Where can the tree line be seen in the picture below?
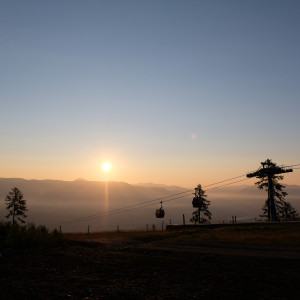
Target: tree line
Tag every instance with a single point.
(15, 236)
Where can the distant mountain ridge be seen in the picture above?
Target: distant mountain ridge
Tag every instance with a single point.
(155, 185)
(53, 202)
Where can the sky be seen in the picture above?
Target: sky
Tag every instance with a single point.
(173, 92)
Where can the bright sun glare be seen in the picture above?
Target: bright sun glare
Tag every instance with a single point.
(106, 166)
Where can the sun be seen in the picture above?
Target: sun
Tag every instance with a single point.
(106, 166)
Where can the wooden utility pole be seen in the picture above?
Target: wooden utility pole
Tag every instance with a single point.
(269, 170)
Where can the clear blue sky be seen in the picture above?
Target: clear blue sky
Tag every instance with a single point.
(175, 92)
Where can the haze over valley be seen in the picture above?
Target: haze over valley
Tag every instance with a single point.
(131, 207)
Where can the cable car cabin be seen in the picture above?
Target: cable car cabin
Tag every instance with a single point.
(160, 213)
(197, 202)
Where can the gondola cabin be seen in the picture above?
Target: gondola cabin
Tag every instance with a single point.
(197, 202)
(160, 213)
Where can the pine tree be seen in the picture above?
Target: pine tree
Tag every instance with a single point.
(16, 205)
(202, 214)
(275, 207)
(287, 212)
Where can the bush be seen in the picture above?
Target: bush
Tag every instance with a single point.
(28, 236)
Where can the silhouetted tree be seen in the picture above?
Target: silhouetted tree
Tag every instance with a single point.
(16, 205)
(275, 207)
(202, 214)
(287, 212)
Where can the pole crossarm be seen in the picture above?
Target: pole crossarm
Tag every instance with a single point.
(264, 172)
(268, 172)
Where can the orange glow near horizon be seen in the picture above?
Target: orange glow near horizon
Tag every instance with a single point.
(132, 172)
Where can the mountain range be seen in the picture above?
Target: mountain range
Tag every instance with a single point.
(75, 205)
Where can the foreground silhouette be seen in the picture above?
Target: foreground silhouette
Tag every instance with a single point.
(275, 208)
(207, 264)
(16, 205)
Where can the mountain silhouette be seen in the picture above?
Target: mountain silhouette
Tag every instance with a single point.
(127, 206)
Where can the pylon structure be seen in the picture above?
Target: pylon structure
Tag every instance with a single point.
(269, 170)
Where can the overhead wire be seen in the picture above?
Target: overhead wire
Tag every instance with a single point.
(227, 184)
(145, 203)
(289, 166)
(296, 166)
(116, 212)
(154, 201)
(224, 180)
(120, 209)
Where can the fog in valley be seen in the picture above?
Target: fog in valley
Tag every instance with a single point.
(111, 205)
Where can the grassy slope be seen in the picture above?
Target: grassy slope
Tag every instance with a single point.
(260, 234)
(118, 268)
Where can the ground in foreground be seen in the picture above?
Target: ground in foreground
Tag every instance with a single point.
(231, 263)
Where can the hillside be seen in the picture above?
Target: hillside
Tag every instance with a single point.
(256, 261)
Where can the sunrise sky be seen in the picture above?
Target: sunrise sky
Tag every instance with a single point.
(173, 92)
